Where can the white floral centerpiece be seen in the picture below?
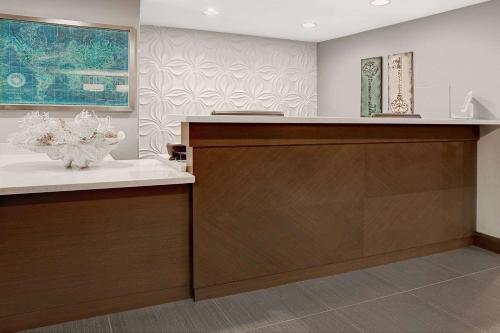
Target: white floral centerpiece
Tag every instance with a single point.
(83, 141)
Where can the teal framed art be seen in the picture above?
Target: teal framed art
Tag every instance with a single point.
(371, 86)
(48, 64)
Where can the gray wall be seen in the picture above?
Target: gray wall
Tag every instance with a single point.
(118, 12)
(460, 49)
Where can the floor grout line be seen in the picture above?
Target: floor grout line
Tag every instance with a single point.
(289, 320)
(399, 292)
(349, 321)
(439, 308)
(370, 300)
(451, 279)
(109, 323)
(489, 253)
(214, 301)
(383, 279)
(296, 284)
(435, 283)
(443, 266)
(308, 293)
(484, 270)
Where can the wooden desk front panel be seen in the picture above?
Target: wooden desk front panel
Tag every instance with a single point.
(418, 194)
(268, 210)
(72, 255)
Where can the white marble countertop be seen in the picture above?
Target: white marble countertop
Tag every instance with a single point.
(330, 120)
(36, 173)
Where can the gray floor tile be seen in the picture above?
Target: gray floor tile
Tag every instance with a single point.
(491, 276)
(92, 325)
(183, 316)
(264, 307)
(466, 260)
(412, 273)
(402, 313)
(328, 322)
(348, 288)
(474, 301)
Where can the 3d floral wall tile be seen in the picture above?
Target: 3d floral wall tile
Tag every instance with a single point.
(195, 72)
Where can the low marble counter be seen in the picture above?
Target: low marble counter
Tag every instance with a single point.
(77, 232)
(36, 173)
(332, 120)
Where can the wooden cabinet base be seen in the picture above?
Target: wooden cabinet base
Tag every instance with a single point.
(326, 270)
(71, 255)
(71, 312)
(280, 203)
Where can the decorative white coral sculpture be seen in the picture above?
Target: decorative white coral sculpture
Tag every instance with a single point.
(83, 141)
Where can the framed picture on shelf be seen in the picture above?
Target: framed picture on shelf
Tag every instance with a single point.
(371, 86)
(400, 68)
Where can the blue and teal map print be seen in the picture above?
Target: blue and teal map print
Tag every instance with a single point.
(53, 64)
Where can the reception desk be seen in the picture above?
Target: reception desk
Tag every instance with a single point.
(278, 200)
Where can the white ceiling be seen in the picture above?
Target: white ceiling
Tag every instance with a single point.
(284, 18)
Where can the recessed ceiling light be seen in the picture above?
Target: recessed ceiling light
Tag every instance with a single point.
(380, 2)
(210, 12)
(309, 25)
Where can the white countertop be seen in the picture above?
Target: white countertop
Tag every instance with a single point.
(36, 173)
(330, 120)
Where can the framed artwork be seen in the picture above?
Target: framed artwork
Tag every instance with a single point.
(57, 64)
(371, 86)
(401, 83)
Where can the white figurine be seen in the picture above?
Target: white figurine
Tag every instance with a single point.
(467, 110)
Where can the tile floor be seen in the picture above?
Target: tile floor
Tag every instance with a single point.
(455, 291)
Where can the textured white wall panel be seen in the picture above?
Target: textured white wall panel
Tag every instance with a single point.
(196, 72)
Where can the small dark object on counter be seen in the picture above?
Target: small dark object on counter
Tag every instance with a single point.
(177, 152)
(180, 156)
